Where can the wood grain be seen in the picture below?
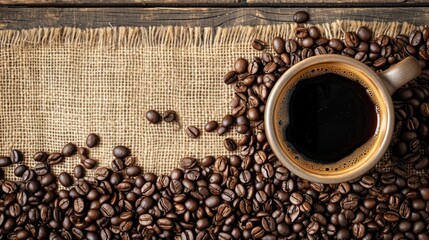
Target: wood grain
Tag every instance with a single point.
(24, 18)
(116, 3)
(337, 2)
(210, 3)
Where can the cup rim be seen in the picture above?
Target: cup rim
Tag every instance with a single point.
(274, 141)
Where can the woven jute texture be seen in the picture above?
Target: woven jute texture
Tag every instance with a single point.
(59, 84)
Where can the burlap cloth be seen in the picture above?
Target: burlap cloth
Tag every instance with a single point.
(59, 84)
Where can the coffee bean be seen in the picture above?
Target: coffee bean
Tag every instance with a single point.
(5, 161)
(336, 44)
(20, 169)
(192, 132)
(391, 216)
(351, 39)
(415, 38)
(153, 116)
(121, 152)
(367, 181)
(69, 150)
(212, 201)
(240, 65)
(92, 140)
(89, 163)
(133, 171)
(364, 34)
(211, 126)
(230, 77)
(107, 210)
(169, 116)
(55, 158)
(40, 157)
(300, 17)
(257, 232)
(258, 45)
(230, 144)
(79, 171)
(187, 162)
(278, 46)
(313, 228)
(296, 198)
(15, 156)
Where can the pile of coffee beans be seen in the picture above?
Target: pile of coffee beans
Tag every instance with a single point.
(245, 196)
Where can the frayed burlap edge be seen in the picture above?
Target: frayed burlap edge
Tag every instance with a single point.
(184, 36)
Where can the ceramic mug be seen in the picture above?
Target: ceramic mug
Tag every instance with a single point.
(380, 85)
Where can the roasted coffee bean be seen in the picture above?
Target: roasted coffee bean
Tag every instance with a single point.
(211, 126)
(92, 140)
(257, 232)
(314, 32)
(336, 44)
(15, 156)
(240, 65)
(391, 216)
(301, 32)
(107, 210)
(258, 45)
(169, 116)
(230, 144)
(351, 39)
(364, 34)
(55, 158)
(187, 162)
(230, 77)
(121, 152)
(79, 171)
(40, 157)
(278, 46)
(192, 132)
(212, 201)
(300, 17)
(415, 38)
(5, 161)
(20, 169)
(69, 150)
(89, 163)
(133, 171)
(153, 116)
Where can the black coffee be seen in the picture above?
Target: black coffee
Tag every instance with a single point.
(330, 117)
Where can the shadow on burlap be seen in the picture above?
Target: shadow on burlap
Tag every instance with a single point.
(59, 84)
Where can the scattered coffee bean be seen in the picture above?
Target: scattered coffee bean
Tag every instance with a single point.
(65, 179)
(230, 144)
(169, 116)
(258, 45)
(69, 150)
(153, 116)
(15, 156)
(121, 152)
(5, 161)
(92, 140)
(300, 17)
(192, 132)
(211, 126)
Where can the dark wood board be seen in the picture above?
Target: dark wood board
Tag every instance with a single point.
(208, 3)
(24, 18)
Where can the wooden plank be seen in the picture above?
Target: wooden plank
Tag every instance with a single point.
(24, 18)
(225, 3)
(116, 3)
(336, 2)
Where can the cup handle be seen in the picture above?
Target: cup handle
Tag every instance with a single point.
(401, 73)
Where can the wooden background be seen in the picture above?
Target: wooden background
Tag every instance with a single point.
(24, 14)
